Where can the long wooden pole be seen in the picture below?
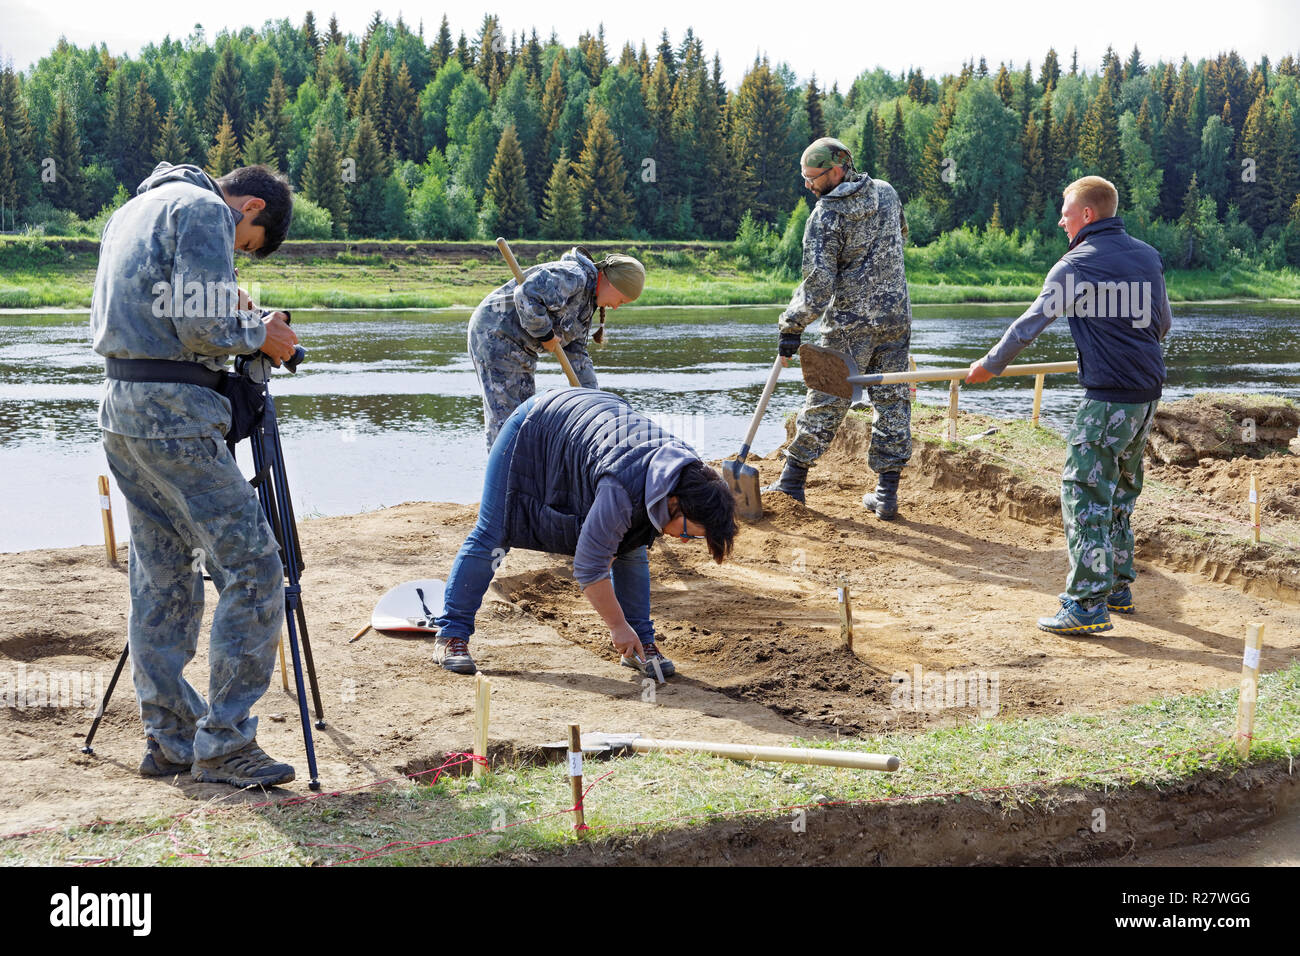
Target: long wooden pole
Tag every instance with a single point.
(575, 774)
(1249, 692)
(820, 758)
(106, 512)
(519, 277)
(957, 374)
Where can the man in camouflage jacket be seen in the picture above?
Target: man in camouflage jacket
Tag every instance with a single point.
(167, 315)
(853, 280)
(552, 309)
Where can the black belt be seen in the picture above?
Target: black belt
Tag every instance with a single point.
(163, 370)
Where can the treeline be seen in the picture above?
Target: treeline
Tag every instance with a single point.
(395, 134)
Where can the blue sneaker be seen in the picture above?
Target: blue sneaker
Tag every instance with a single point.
(1074, 618)
(1121, 601)
(158, 764)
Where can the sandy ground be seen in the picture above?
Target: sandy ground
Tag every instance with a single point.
(952, 585)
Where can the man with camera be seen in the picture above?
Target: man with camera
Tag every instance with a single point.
(167, 315)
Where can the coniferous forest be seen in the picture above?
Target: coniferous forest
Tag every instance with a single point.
(407, 132)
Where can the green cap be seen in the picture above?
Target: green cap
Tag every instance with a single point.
(624, 273)
(825, 153)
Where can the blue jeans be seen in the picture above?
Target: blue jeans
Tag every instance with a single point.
(481, 554)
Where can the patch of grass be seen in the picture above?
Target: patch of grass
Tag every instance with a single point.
(518, 815)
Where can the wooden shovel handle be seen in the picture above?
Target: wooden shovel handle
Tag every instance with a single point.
(519, 277)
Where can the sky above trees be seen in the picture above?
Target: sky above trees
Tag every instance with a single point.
(936, 36)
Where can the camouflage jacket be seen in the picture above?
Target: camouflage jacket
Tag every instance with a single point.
(557, 297)
(853, 261)
(165, 289)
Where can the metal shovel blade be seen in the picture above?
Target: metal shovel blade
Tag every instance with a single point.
(828, 370)
(742, 479)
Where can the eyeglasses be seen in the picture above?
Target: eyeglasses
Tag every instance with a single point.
(688, 537)
(813, 179)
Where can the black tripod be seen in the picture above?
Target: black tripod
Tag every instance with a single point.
(272, 486)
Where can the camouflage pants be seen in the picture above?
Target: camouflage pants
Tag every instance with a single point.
(1099, 487)
(891, 427)
(506, 373)
(189, 508)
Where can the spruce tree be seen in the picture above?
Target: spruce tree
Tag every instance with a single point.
(1050, 73)
(812, 103)
(8, 179)
(170, 147)
(226, 95)
(899, 165)
(366, 194)
(768, 179)
(259, 150)
(562, 207)
(321, 177)
(507, 185)
(442, 47)
(1099, 138)
(602, 181)
(224, 154)
(310, 38)
(67, 190)
(1257, 166)
(1002, 85)
(403, 117)
(144, 121)
(278, 121)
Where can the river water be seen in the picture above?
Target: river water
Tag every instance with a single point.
(386, 409)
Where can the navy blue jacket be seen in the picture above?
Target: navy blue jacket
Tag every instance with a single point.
(570, 440)
(1112, 289)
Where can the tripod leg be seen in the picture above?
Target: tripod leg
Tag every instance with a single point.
(291, 618)
(311, 667)
(103, 704)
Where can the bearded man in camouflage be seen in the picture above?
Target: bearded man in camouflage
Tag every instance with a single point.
(853, 280)
(550, 310)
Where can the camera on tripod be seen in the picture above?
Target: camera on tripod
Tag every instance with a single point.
(256, 366)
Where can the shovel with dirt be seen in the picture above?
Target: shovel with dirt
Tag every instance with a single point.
(741, 478)
(835, 373)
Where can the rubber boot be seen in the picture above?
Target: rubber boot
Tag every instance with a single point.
(884, 502)
(791, 483)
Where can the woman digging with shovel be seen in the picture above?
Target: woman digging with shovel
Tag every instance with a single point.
(550, 309)
(577, 471)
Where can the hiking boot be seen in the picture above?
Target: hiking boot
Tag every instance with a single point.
(247, 767)
(884, 502)
(453, 654)
(651, 654)
(1121, 601)
(1074, 618)
(792, 478)
(156, 763)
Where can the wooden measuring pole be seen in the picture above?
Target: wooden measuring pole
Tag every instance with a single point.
(575, 774)
(1038, 396)
(911, 367)
(482, 715)
(846, 613)
(106, 512)
(284, 674)
(1249, 688)
(953, 389)
(1254, 505)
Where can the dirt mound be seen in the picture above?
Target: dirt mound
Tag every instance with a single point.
(1228, 482)
(1222, 426)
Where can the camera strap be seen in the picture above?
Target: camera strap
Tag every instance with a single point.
(163, 370)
